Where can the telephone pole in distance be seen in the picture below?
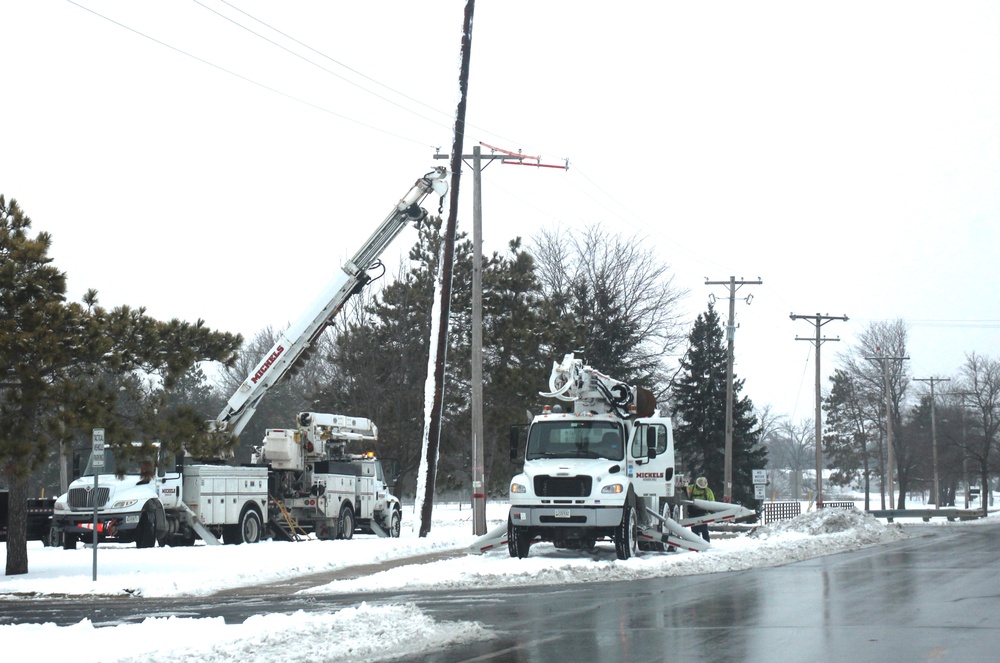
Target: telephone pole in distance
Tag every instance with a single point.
(734, 285)
(818, 320)
(937, 490)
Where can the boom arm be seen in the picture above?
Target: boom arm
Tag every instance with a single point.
(589, 390)
(349, 281)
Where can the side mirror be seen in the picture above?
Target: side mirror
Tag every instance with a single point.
(651, 443)
(515, 434)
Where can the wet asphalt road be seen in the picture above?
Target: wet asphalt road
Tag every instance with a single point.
(934, 597)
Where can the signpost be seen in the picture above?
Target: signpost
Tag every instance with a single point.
(759, 484)
(97, 464)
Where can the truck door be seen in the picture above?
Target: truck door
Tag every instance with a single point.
(381, 489)
(653, 453)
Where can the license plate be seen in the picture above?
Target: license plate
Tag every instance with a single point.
(562, 513)
(131, 519)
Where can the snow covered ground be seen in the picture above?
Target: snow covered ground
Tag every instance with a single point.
(368, 632)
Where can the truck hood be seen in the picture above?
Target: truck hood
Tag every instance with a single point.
(599, 468)
(119, 490)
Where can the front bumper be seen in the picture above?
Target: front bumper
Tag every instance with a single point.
(109, 525)
(566, 516)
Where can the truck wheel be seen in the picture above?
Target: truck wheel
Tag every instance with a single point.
(518, 540)
(394, 524)
(69, 541)
(250, 527)
(345, 524)
(626, 534)
(146, 533)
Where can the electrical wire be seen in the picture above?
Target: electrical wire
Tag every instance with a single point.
(247, 79)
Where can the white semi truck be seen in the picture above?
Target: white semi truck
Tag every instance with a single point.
(158, 504)
(602, 470)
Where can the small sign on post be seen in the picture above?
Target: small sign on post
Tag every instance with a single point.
(759, 491)
(97, 464)
(759, 476)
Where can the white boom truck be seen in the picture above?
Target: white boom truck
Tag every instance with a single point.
(320, 486)
(603, 471)
(173, 506)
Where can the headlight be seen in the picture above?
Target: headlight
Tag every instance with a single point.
(60, 506)
(124, 504)
(518, 488)
(614, 488)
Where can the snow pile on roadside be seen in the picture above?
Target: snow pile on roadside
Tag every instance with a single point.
(361, 633)
(830, 521)
(810, 535)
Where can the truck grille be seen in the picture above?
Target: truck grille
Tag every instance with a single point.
(83, 498)
(546, 486)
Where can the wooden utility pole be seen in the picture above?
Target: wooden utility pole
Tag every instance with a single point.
(819, 321)
(427, 474)
(734, 285)
(478, 463)
(934, 456)
(965, 447)
(884, 361)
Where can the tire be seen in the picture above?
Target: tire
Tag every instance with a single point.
(395, 523)
(518, 540)
(626, 539)
(345, 524)
(251, 529)
(248, 530)
(145, 536)
(69, 541)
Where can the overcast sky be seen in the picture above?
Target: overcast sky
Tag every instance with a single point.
(219, 160)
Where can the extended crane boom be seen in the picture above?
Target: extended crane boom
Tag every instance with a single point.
(349, 281)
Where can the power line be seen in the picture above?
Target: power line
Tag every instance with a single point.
(245, 78)
(319, 66)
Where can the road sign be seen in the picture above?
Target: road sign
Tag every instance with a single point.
(759, 476)
(760, 491)
(97, 457)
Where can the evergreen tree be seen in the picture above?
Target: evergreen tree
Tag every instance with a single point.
(700, 414)
(851, 443)
(66, 368)
(378, 362)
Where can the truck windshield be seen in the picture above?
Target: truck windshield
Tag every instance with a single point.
(575, 439)
(121, 467)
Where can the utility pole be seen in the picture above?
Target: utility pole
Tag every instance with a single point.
(478, 463)
(734, 285)
(965, 454)
(434, 388)
(818, 320)
(884, 361)
(934, 456)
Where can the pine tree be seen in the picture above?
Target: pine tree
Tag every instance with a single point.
(66, 368)
(700, 414)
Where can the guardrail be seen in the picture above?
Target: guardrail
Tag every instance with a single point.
(926, 514)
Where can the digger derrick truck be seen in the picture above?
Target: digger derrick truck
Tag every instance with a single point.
(182, 500)
(320, 484)
(604, 470)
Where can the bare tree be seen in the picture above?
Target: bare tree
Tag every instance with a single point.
(791, 447)
(615, 298)
(883, 339)
(981, 379)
